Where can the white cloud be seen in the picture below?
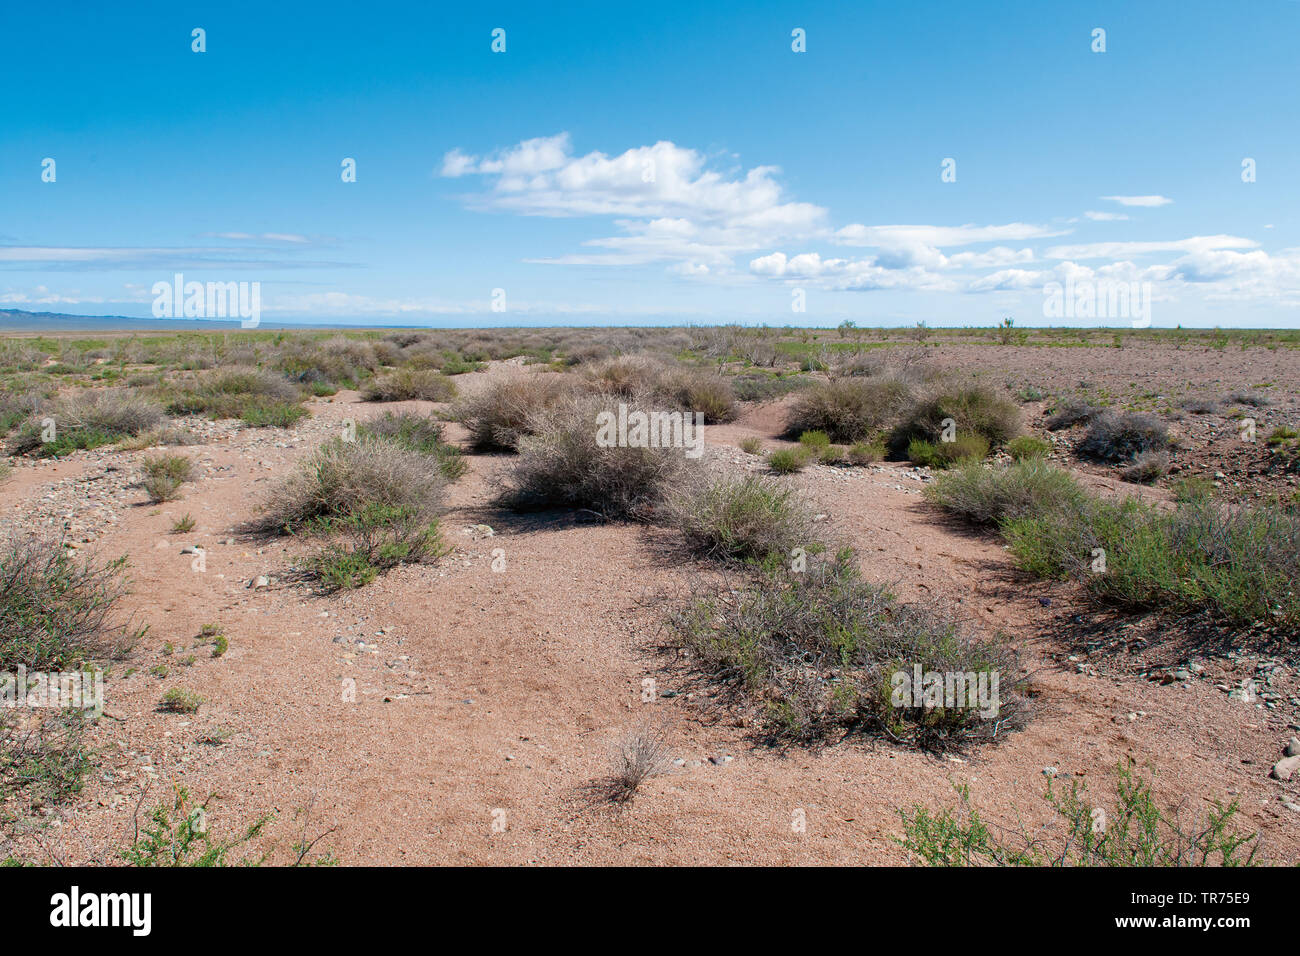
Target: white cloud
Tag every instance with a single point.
(262, 236)
(887, 236)
(668, 203)
(1117, 250)
(1139, 200)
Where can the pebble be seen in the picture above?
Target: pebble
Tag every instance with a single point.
(1285, 768)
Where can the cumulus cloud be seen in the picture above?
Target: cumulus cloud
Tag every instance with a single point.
(665, 203)
(666, 200)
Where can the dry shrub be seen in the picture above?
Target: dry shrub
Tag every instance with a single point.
(818, 650)
(976, 411)
(499, 413)
(87, 420)
(1071, 413)
(561, 465)
(1123, 436)
(1147, 467)
(849, 410)
(56, 611)
(407, 384)
(740, 516)
(642, 752)
(342, 477)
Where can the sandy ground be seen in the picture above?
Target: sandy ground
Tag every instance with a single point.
(487, 702)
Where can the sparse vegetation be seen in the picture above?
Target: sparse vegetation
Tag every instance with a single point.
(408, 384)
(816, 650)
(1122, 436)
(562, 465)
(57, 612)
(850, 409)
(84, 421)
(641, 753)
(991, 495)
(1133, 831)
(177, 834)
(741, 517)
(179, 700)
(164, 475)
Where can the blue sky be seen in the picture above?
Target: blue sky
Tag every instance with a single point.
(633, 164)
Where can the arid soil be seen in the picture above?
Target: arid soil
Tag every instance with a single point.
(487, 701)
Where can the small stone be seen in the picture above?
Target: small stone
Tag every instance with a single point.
(1292, 748)
(1285, 768)
(261, 581)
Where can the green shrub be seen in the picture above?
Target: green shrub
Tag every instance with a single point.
(864, 453)
(751, 446)
(85, 421)
(976, 411)
(965, 448)
(420, 433)
(785, 461)
(1192, 488)
(56, 612)
(819, 649)
(1027, 447)
(1239, 564)
(1132, 831)
(814, 441)
(379, 537)
(164, 474)
(407, 384)
(849, 410)
(273, 415)
(740, 517)
(991, 495)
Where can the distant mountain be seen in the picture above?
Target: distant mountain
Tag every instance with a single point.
(16, 320)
